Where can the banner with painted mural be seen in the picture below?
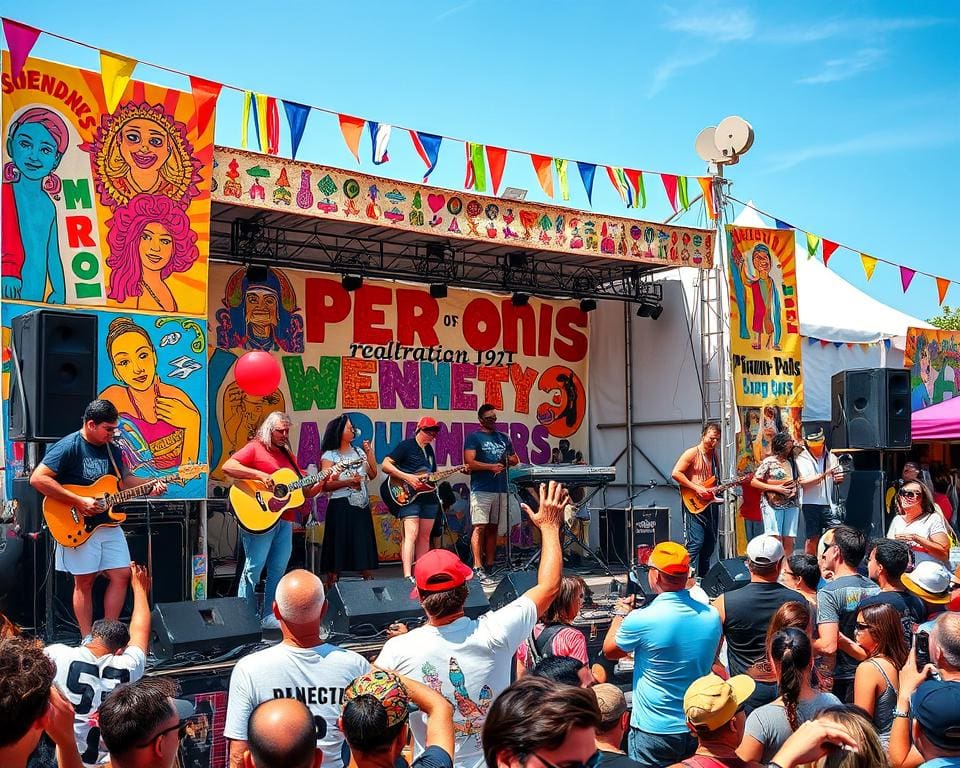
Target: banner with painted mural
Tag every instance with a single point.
(153, 368)
(933, 358)
(765, 339)
(103, 207)
(388, 354)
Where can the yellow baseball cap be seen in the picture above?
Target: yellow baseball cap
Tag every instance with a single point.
(711, 701)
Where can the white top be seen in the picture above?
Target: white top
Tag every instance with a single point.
(316, 676)
(924, 526)
(808, 466)
(469, 661)
(358, 496)
(86, 680)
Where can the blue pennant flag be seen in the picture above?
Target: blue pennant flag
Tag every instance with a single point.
(297, 115)
(587, 171)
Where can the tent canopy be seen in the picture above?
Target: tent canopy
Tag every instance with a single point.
(938, 422)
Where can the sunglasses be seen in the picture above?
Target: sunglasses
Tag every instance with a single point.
(431, 430)
(862, 627)
(180, 728)
(592, 762)
(907, 494)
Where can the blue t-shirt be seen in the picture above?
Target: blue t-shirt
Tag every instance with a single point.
(491, 448)
(74, 461)
(408, 456)
(674, 641)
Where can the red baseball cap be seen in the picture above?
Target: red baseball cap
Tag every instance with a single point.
(427, 423)
(440, 570)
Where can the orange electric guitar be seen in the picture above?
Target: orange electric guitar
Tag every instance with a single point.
(695, 505)
(71, 529)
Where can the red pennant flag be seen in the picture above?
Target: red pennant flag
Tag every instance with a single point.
(20, 40)
(670, 185)
(352, 128)
(906, 275)
(496, 160)
(942, 285)
(543, 165)
(828, 248)
(205, 95)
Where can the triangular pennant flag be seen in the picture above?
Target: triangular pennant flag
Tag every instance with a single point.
(635, 180)
(205, 95)
(869, 264)
(245, 119)
(496, 160)
(115, 73)
(587, 172)
(906, 277)
(427, 146)
(823, 342)
(297, 115)
(543, 166)
(813, 242)
(352, 129)
(838, 344)
(273, 125)
(683, 196)
(706, 184)
(619, 182)
(20, 40)
(886, 343)
(260, 120)
(561, 166)
(379, 139)
(476, 169)
(781, 224)
(942, 286)
(828, 248)
(670, 186)
(811, 340)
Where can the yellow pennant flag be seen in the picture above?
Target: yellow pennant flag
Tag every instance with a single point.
(561, 166)
(115, 73)
(812, 243)
(244, 126)
(869, 264)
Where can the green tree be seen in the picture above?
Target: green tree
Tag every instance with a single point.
(947, 320)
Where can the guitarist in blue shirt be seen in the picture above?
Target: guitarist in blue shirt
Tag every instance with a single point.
(410, 461)
(82, 458)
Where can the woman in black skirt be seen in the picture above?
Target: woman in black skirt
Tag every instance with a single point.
(349, 543)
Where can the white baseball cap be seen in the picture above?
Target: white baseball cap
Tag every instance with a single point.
(765, 550)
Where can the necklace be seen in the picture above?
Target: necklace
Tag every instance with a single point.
(150, 291)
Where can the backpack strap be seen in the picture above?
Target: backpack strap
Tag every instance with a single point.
(544, 642)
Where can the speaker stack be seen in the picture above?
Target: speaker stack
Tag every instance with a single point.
(870, 409)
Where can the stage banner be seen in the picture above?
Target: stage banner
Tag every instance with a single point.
(765, 338)
(278, 184)
(99, 208)
(154, 370)
(388, 354)
(933, 358)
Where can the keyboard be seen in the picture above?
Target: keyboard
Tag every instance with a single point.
(571, 475)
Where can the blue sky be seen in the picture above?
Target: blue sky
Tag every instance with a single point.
(856, 105)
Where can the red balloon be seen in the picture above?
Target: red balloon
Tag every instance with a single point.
(257, 373)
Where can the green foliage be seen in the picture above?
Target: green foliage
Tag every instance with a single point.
(947, 320)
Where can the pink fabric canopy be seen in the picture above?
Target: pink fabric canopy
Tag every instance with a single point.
(938, 422)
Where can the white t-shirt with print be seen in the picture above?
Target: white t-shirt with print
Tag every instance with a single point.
(469, 661)
(86, 679)
(316, 676)
(809, 466)
(924, 526)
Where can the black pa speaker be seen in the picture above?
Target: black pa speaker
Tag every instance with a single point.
(208, 627)
(54, 373)
(863, 492)
(725, 576)
(870, 408)
(28, 510)
(365, 608)
(513, 585)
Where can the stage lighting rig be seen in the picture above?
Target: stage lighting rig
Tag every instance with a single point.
(351, 282)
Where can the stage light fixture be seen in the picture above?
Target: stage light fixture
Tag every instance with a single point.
(646, 309)
(257, 273)
(435, 251)
(517, 259)
(351, 282)
(520, 299)
(588, 305)
(438, 290)
(656, 311)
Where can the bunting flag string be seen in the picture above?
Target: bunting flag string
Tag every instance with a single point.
(587, 172)
(20, 40)
(813, 242)
(619, 182)
(683, 196)
(635, 180)
(706, 184)
(245, 119)
(828, 248)
(297, 115)
(267, 123)
(942, 286)
(427, 146)
(906, 277)
(379, 139)
(561, 166)
(543, 166)
(476, 177)
(352, 129)
(115, 73)
(670, 187)
(496, 161)
(869, 264)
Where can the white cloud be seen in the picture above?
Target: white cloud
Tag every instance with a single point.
(825, 29)
(868, 144)
(714, 22)
(666, 70)
(843, 69)
(453, 9)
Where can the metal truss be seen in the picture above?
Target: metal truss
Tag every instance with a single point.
(439, 262)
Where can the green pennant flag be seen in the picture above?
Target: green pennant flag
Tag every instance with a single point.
(682, 196)
(479, 168)
(561, 166)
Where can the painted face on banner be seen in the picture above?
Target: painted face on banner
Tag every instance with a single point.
(156, 247)
(134, 361)
(33, 150)
(145, 145)
(262, 307)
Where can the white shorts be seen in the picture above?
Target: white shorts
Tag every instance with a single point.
(487, 507)
(104, 550)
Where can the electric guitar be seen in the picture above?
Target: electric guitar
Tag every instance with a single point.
(257, 509)
(397, 493)
(695, 505)
(71, 529)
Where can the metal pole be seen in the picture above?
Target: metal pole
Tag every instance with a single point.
(628, 385)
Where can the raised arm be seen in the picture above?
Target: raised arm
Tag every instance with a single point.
(548, 518)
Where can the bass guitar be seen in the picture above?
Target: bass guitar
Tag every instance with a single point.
(71, 529)
(397, 493)
(695, 505)
(257, 509)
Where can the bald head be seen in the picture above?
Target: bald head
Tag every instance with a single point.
(281, 734)
(945, 641)
(300, 598)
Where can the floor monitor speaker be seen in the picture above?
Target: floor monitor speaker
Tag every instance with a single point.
(725, 576)
(208, 627)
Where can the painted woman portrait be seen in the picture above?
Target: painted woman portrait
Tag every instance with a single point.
(260, 313)
(140, 149)
(150, 239)
(36, 141)
(160, 417)
(766, 307)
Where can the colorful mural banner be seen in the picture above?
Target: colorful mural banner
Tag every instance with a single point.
(103, 208)
(154, 369)
(933, 358)
(388, 354)
(765, 341)
(275, 184)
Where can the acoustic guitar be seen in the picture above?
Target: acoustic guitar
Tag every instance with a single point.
(257, 509)
(71, 529)
(695, 505)
(397, 493)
